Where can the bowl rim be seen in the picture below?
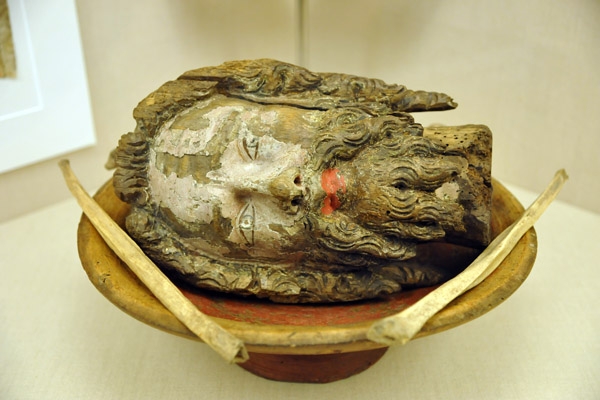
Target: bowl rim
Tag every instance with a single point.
(118, 284)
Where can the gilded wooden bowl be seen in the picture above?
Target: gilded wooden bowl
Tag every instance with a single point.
(305, 342)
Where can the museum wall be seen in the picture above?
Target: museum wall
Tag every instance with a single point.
(528, 70)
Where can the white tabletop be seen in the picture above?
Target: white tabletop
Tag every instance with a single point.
(61, 339)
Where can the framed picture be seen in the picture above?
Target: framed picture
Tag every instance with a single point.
(44, 100)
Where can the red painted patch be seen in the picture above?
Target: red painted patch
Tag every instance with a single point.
(257, 311)
(332, 181)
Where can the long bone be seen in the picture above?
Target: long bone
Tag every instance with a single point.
(228, 346)
(403, 326)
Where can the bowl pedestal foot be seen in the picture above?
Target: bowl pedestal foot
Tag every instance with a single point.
(319, 368)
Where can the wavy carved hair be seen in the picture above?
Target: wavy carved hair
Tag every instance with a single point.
(363, 111)
(271, 82)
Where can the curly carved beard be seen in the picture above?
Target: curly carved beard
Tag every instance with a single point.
(400, 188)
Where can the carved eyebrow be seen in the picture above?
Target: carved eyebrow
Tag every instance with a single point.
(245, 223)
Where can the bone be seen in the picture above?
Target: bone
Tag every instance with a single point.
(228, 346)
(403, 326)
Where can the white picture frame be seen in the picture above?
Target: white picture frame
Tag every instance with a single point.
(45, 111)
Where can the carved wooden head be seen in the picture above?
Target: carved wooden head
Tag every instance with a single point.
(262, 177)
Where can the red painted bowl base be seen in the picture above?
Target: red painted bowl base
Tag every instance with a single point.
(320, 368)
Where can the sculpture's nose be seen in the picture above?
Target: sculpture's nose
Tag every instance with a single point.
(288, 188)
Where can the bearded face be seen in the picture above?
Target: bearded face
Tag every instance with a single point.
(398, 187)
(293, 191)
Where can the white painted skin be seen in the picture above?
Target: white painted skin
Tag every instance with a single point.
(179, 142)
(448, 191)
(252, 174)
(187, 200)
(240, 188)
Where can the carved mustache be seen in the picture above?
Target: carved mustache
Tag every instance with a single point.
(398, 205)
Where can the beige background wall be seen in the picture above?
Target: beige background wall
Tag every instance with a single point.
(530, 70)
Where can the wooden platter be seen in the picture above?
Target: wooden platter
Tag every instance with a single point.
(303, 343)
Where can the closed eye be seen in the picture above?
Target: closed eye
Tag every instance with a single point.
(250, 147)
(245, 223)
